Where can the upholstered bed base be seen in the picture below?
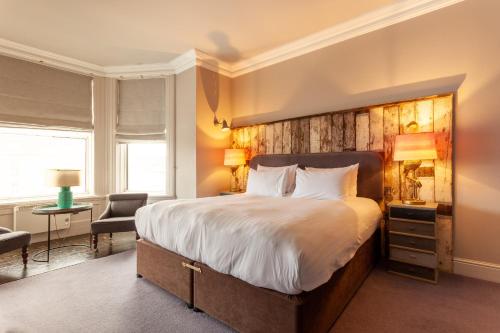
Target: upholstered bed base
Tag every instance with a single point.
(247, 308)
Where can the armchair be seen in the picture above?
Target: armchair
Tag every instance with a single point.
(119, 215)
(11, 240)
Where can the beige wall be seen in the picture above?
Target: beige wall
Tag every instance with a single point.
(455, 48)
(185, 134)
(213, 94)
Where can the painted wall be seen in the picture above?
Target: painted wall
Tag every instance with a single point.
(185, 134)
(455, 48)
(213, 94)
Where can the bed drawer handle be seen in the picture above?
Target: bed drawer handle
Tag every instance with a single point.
(194, 268)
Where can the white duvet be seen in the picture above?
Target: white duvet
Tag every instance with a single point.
(286, 244)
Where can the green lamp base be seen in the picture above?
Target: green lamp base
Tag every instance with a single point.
(65, 198)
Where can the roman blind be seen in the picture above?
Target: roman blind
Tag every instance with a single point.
(141, 109)
(34, 94)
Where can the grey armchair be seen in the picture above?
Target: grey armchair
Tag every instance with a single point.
(119, 215)
(12, 240)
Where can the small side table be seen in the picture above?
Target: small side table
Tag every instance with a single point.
(412, 241)
(54, 210)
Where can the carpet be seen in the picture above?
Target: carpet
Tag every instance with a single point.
(104, 295)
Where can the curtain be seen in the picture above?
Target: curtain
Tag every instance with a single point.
(34, 94)
(141, 109)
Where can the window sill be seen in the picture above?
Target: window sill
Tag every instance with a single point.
(5, 204)
(158, 197)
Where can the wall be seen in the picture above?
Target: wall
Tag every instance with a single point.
(453, 49)
(213, 94)
(185, 134)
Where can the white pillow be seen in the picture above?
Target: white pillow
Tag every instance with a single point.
(322, 185)
(289, 178)
(353, 176)
(266, 183)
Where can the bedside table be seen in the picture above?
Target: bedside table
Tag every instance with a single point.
(412, 241)
(230, 193)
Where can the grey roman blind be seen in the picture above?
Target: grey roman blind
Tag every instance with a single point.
(141, 109)
(34, 94)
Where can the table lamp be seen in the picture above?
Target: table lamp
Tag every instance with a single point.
(412, 149)
(64, 179)
(234, 158)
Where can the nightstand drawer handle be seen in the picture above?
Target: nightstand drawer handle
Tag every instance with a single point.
(413, 243)
(413, 256)
(412, 228)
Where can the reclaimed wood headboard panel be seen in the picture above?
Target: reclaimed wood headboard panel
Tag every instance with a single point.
(364, 129)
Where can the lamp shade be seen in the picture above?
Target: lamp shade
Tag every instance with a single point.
(234, 157)
(417, 146)
(63, 177)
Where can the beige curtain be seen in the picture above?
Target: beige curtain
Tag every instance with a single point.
(141, 109)
(34, 94)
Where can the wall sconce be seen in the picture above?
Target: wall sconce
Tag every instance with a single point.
(223, 124)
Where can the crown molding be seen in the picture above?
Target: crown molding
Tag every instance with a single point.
(389, 15)
(375, 20)
(32, 54)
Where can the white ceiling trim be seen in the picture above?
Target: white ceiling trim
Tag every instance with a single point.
(361, 25)
(20, 51)
(375, 20)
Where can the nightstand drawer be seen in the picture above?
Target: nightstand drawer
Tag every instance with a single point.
(412, 270)
(413, 257)
(413, 214)
(412, 242)
(406, 227)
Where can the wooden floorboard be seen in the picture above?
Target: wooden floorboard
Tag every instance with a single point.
(11, 267)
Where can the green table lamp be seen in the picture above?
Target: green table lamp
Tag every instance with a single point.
(64, 179)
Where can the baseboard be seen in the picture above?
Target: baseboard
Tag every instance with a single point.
(78, 227)
(477, 269)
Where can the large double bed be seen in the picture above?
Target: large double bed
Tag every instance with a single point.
(267, 264)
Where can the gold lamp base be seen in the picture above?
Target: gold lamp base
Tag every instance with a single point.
(413, 202)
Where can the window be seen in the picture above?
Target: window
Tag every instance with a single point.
(27, 153)
(143, 167)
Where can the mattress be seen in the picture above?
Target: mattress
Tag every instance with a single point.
(286, 244)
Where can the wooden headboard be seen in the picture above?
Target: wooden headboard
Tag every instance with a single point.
(370, 174)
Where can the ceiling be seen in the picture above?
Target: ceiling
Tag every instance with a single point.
(133, 32)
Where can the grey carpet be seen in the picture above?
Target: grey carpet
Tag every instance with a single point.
(104, 295)
(101, 295)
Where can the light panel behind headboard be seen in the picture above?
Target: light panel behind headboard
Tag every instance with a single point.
(364, 129)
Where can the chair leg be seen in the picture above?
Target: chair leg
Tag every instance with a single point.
(110, 235)
(24, 254)
(94, 239)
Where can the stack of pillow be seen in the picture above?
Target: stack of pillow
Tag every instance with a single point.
(314, 183)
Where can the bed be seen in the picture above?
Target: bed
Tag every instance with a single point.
(308, 297)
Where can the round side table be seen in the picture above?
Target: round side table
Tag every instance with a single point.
(53, 210)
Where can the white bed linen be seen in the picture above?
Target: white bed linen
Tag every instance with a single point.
(285, 244)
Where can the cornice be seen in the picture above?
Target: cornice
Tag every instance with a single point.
(375, 20)
(372, 21)
(32, 54)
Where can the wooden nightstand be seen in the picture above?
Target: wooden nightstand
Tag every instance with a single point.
(230, 193)
(412, 241)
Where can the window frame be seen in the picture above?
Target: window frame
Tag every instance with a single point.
(122, 167)
(87, 136)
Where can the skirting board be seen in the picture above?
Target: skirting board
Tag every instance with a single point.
(477, 269)
(78, 227)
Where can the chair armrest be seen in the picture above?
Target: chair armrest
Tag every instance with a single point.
(4, 230)
(107, 212)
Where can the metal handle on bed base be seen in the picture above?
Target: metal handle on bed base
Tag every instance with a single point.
(194, 268)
